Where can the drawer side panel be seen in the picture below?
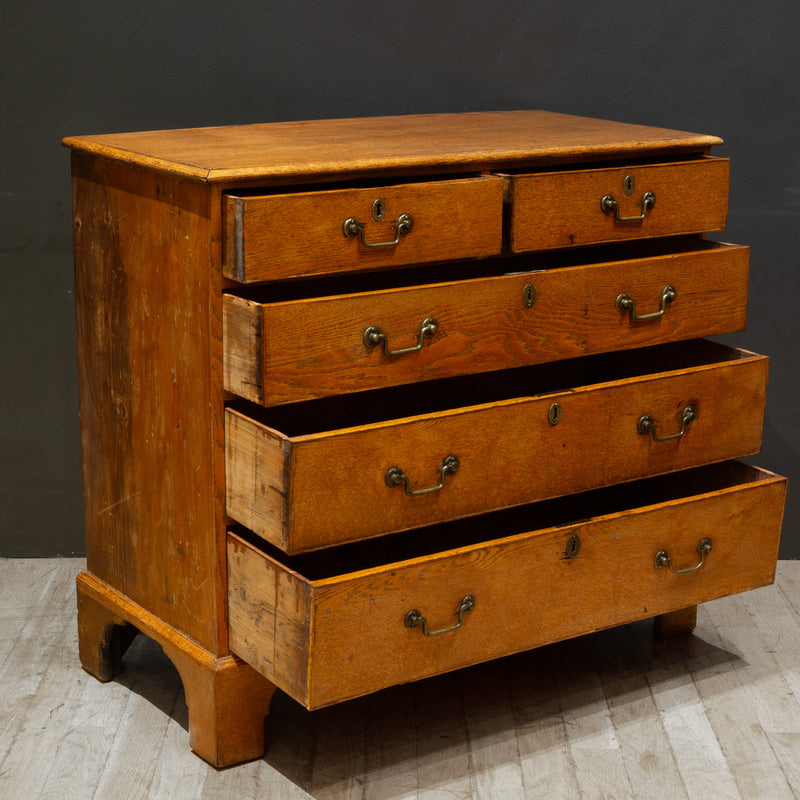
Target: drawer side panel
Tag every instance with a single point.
(257, 477)
(269, 618)
(243, 342)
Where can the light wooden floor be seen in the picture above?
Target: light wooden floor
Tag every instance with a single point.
(613, 715)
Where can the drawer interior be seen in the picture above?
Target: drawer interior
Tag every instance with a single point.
(560, 512)
(612, 163)
(330, 627)
(431, 274)
(381, 405)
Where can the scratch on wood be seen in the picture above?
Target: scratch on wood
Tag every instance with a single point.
(125, 499)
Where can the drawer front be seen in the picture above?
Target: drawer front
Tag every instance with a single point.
(506, 453)
(562, 209)
(328, 640)
(314, 233)
(285, 352)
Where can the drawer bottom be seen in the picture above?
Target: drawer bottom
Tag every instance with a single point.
(333, 625)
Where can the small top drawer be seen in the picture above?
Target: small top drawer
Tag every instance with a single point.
(299, 234)
(589, 206)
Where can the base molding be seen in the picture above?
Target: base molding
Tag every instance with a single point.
(227, 699)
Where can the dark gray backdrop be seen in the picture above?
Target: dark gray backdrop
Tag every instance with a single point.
(726, 67)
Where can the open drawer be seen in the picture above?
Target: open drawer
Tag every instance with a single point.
(312, 475)
(330, 626)
(608, 204)
(288, 344)
(298, 234)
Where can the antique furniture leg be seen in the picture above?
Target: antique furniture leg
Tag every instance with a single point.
(227, 699)
(103, 636)
(675, 623)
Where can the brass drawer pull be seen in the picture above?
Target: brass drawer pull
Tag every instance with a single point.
(352, 227)
(663, 559)
(626, 303)
(414, 618)
(646, 425)
(609, 204)
(395, 476)
(373, 336)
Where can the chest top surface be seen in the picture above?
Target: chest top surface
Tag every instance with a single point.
(279, 151)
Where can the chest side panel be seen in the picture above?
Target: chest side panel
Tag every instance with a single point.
(150, 399)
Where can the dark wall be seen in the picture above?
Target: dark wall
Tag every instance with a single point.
(726, 67)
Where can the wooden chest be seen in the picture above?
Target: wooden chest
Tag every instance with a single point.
(364, 401)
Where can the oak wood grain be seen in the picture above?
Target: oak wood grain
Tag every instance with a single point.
(612, 581)
(227, 699)
(301, 234)
(164, 220)
(561, 209)
(282, 623)
(502, 447)
(314, 346)
(150, 377)
(281, 151)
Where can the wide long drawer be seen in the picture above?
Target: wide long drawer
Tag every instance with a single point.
(273, 237)
(298, 349)
(327, 627)
(307, 476)
(586, 206)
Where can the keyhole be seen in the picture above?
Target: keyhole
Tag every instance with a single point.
(628, 185)
(573, 546)
(378, 210)
(554, 414)
(529, 295)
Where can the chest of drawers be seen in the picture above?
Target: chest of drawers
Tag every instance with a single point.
(364, 401)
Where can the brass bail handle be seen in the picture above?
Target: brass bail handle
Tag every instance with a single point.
(662, 558)
(414, 618)
(625, 302)
(402, 225)
(609, 204)
(373, 336)
(395, 476)
(646, 424)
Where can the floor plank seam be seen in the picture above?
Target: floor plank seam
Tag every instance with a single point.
(573, 718)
